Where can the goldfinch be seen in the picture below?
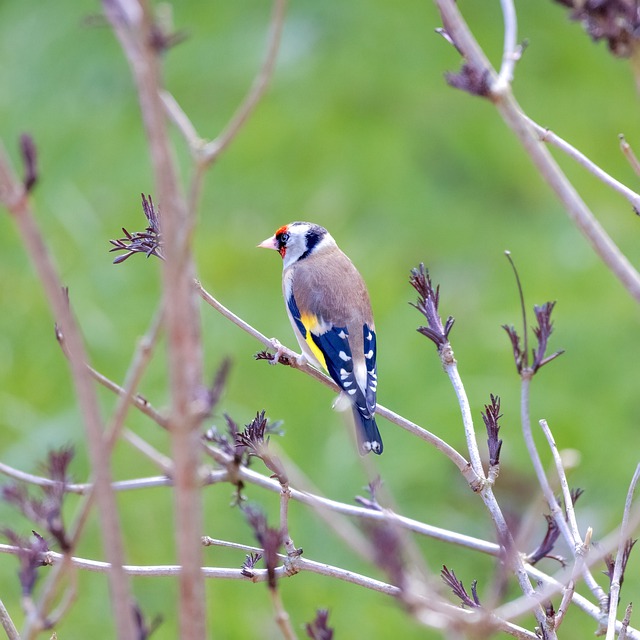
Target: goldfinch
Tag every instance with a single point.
(329, 309)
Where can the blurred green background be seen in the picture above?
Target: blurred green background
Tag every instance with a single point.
(360, 133)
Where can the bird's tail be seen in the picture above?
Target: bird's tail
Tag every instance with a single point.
(368, 434)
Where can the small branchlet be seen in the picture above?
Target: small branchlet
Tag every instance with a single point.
(269, 539)
(31, 553)
(616, 21)
(610, 561)
(427, 305)
(145, 629)
(445, 34)
(148, 241)
(451, 580)
(472, 79)
(372, 501)
(318, 629)
(519, 353)
(545, 548)
(626, 621)
(542, 331)
(491, 416)
(249, 564)
(30, 161)
(46, 511)
(253, 441)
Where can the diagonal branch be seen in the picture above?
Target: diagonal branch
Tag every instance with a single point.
(13, 196)
(213, 149)
(502, 97)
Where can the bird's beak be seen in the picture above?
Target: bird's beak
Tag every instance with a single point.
(269, 243)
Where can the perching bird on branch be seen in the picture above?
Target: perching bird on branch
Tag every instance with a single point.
(329, 309)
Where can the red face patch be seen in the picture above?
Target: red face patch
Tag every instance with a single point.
(282, 236)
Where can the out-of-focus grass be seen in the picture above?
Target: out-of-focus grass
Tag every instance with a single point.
(358, 132)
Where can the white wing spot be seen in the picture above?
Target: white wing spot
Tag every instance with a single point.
(369, 354)
(370, 336)
(344, 356)
(351, 391)
(342, 335)
(346, 383)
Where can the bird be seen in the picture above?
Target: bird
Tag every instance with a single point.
(329, 309)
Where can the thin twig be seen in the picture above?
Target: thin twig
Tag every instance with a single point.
(546, 135)
(467, 420)
(625, 622)
(570, 511)
(510, 50)
(83, 487)
(7, 623)
(140, 403)
(631, 157)
(161, 461)
(181, 120)
(213, 149)
(616, 578)
(567, 597)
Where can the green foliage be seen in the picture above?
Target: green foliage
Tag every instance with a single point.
(360, 133)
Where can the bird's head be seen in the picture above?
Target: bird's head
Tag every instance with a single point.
(297, 240)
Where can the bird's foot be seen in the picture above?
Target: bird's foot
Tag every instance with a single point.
(282, 355)
(279, 351)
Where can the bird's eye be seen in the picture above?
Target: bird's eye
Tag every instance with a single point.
(284, 238)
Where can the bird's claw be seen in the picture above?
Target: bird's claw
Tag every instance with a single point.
(279, 350)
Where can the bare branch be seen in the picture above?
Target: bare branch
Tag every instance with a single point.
(546, 135)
